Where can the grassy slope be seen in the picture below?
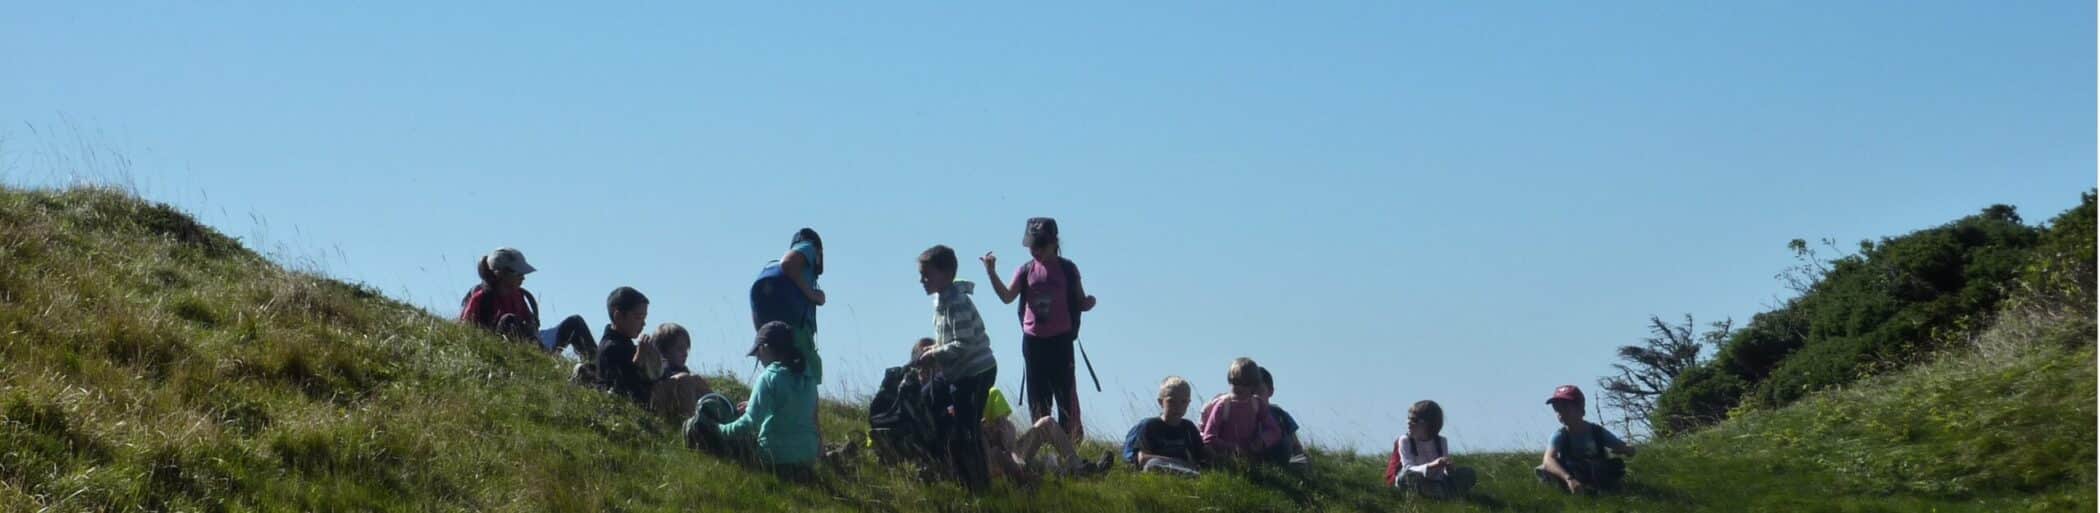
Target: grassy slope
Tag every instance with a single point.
(147, 363)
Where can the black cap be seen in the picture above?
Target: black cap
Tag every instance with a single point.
(775, 333)
(1040, 230)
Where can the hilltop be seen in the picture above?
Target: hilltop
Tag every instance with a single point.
(148, 362)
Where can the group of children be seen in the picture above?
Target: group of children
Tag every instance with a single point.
(942, 408)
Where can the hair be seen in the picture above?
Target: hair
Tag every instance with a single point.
(1268, 381)
(488, 274)
(939, 257)
(624, 299)
(1429, 414)
(1050, 239)
(670, 334)
(922, 344)
(777, 337)
(810, 235)
(1172, 384)
(1243, 372)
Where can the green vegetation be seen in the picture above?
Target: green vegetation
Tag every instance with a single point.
(150, 363)
(1895, 304)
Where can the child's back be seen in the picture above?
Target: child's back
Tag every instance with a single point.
(1239, 423)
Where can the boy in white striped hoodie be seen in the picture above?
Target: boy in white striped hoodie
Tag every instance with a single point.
(964, 353)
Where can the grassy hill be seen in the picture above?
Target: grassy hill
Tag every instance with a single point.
(150, 363)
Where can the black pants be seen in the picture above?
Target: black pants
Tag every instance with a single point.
(966, 440)
(1052, 377)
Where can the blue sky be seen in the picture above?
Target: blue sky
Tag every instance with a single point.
(1382, 202)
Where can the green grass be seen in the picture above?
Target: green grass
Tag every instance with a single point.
(150, 363)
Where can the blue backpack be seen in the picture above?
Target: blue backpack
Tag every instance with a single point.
(774, 297)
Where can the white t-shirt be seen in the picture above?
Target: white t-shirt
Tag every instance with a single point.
(1415, 456)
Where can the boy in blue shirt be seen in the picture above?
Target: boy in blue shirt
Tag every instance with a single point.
(1579, 458)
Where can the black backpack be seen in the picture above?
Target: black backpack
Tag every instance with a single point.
(900, 415)
(1072, 297)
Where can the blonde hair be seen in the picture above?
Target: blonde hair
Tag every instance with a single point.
(1173, 384)
(1243, 373)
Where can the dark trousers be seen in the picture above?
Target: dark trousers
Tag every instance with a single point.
(966, 436)
(1600, 474)
(1052, 377)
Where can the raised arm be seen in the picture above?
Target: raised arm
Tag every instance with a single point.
(991, 271)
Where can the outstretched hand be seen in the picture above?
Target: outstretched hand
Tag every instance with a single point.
(991, 261)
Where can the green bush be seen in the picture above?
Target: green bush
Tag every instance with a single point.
(1892, 305)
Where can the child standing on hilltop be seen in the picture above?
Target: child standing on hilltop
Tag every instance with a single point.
(1239, 424)
(1579, 458)
(1421, 460)
(1052, 299)
(963, 352)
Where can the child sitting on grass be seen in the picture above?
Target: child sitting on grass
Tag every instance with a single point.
(1579, 459)
(777, 427)
(1292, 451)
(500, 303)
(1421, 461)
(616, 370)
(673, 388)
(1169, 443)
(1239, 424)
(1013, 454)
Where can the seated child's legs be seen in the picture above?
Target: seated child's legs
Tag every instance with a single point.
(1460, 480)
(1548, 479)
(1170, 466)
(576, 333)
(1047, 431)
(1609, 472)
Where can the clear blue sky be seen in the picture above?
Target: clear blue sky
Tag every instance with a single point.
(1382, 202)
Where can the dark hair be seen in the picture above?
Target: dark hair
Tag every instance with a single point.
(488, 274)
(624, 299)
(780, 339)
(1429, 414)
(916, 346)
(940, 257)
(1267, 380)
(810, 235)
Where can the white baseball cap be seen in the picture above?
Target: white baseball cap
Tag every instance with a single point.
(509, 260)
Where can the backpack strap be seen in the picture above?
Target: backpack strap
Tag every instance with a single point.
(1072, 296)
(532, 304)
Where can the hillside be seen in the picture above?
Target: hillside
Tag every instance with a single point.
(150, 363)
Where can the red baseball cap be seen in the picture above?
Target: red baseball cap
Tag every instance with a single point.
(1565, 393)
